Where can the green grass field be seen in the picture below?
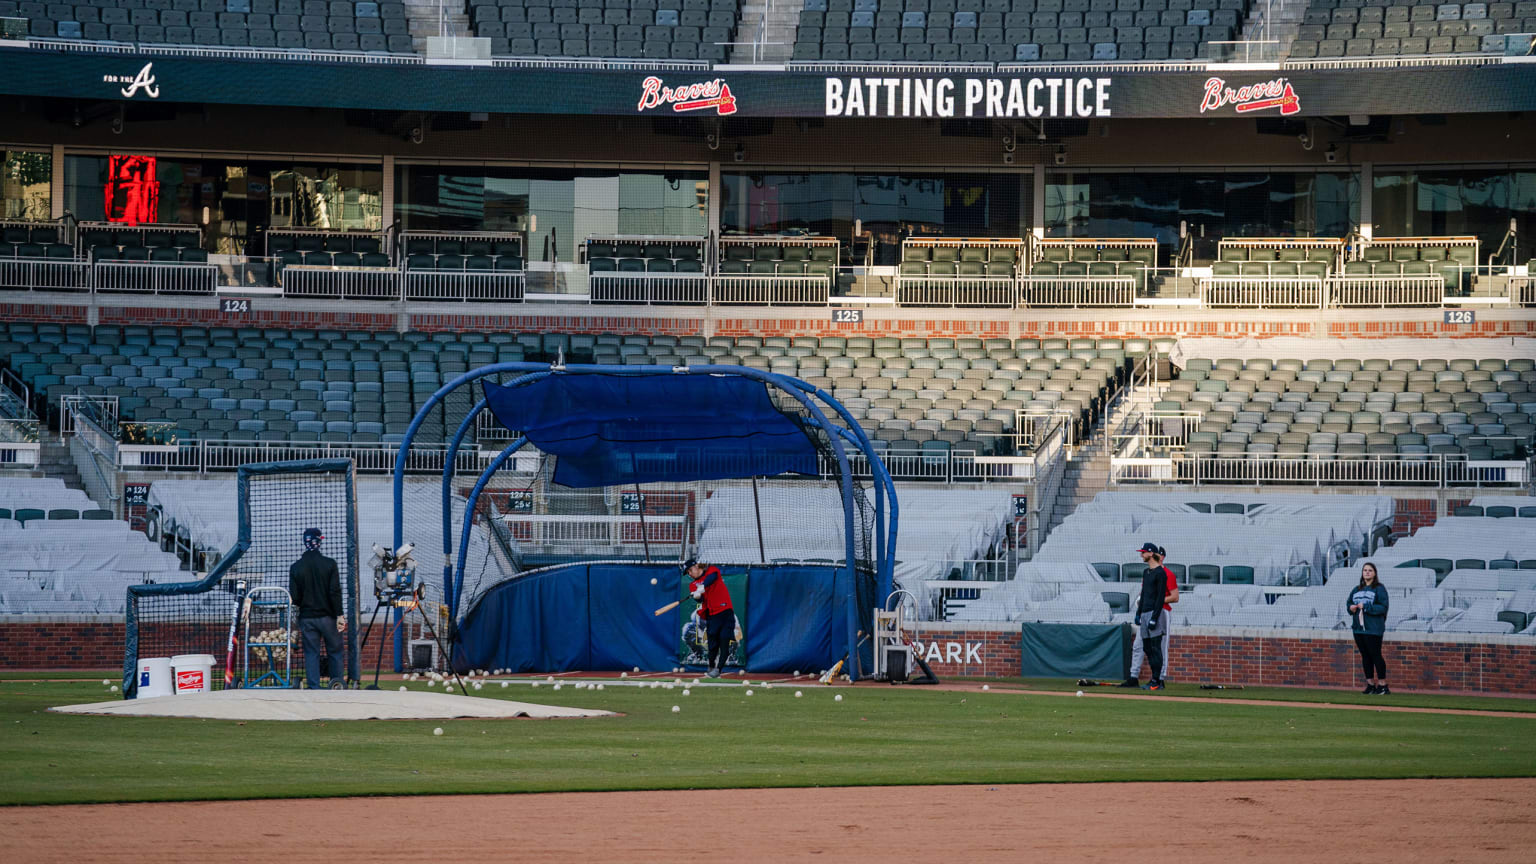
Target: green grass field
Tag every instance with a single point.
(722, 738)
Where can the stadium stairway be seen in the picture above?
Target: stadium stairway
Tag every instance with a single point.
(1086, 475)
(777, 28)
(1087, 472)
(422, 20)
(53, 460)
(1284, 18)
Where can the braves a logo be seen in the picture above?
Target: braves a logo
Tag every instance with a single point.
(145, 81)
(1253, 97)
(700, 96)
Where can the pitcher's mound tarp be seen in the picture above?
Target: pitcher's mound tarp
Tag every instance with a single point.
(325, 705)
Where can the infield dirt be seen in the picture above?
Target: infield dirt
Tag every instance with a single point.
(1388, 821)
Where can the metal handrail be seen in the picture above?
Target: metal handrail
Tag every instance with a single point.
(85, 422)
(13, 383)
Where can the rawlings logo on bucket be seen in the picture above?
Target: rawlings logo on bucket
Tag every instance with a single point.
(699, 96)
(189, 679)
(1253, 97)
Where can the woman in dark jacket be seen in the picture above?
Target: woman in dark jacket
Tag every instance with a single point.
(1368, 618)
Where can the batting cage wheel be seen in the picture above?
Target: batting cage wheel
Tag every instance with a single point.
(564, 554)
(277, 502)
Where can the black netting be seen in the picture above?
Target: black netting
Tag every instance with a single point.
(194, 617)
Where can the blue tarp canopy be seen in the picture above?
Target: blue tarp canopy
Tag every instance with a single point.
(618, 430)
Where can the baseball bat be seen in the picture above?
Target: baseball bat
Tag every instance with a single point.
(832, 673)
(234, 623)
(668, 608)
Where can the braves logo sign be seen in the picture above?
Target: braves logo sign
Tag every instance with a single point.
(144, 81)
(700, 96)
(1253, 97)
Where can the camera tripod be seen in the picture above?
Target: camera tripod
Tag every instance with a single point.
(406, 602)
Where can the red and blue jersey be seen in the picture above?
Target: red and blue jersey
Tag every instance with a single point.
(717, 598)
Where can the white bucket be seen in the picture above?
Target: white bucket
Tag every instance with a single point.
(154, 677)
(194, 673)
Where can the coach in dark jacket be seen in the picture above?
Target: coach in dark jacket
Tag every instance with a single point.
(315, 584)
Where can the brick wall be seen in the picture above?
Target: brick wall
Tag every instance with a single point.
(1318, 659)
(958, 652)
(1022, 323)
(257, 317)
(98, 644)
(44, 313)
(522, 323)
(1411, 514)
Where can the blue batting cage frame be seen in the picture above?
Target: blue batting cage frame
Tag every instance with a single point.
(811, 398)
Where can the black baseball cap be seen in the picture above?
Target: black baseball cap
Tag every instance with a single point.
(687, 565)
(1151, 547)
(313, 534)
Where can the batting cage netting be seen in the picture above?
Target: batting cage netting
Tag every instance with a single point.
(610, 478)
(276, 503)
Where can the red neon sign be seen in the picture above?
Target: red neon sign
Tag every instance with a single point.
(132, 191)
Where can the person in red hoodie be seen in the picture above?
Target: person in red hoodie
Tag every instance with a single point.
(706, 584)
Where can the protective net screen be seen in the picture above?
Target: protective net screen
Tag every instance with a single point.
(279, 503)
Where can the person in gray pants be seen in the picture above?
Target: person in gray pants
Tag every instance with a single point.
(314, 583)
(1159, 588)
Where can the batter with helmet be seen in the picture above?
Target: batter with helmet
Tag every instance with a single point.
(707, 586)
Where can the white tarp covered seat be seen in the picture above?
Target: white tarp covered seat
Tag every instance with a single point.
(41, 493)
(938, 528)
(1456, 538)
(76, 567)
(1274, 535)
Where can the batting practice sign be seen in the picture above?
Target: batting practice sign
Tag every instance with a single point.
(1042, 93)
(967, 97)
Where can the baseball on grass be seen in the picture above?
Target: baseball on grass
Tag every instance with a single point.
(431, 683)
(1079, 692)
(837, 698)
(653, 580)
(114, 688)
(676, 709)
(749, 692)
(503, 684)
(106, 681)
(437, 731)
(797, 694)
(402, 688)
